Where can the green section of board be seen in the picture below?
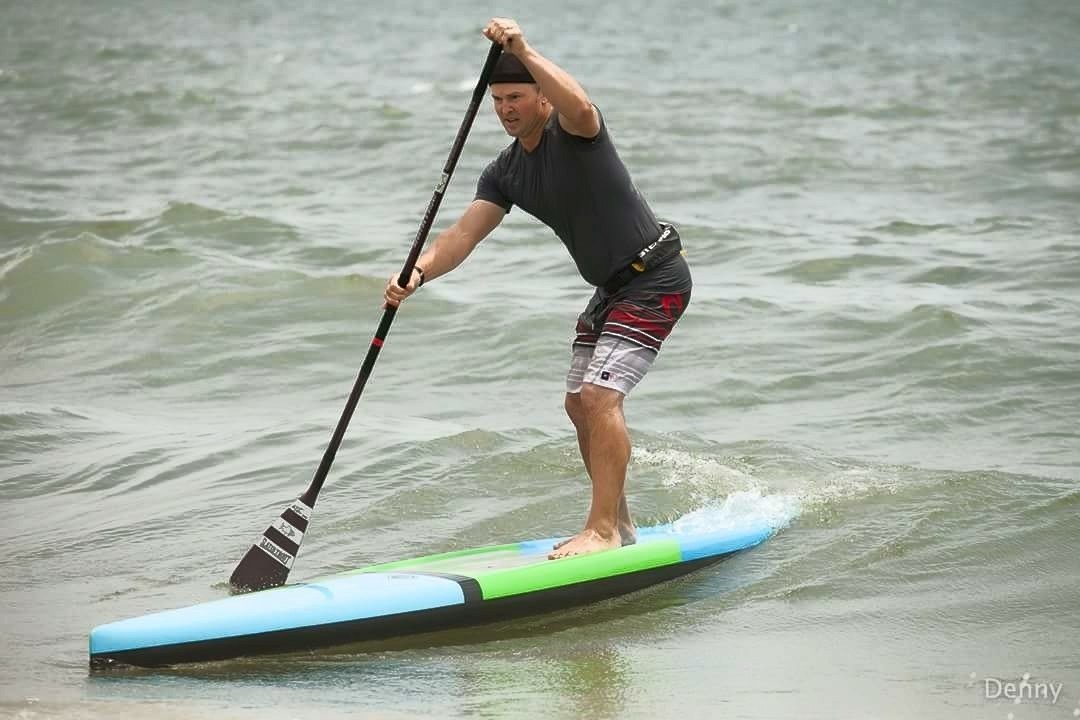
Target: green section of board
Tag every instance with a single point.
(504, 570)
(577, 569)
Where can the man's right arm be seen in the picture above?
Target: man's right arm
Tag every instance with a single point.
(450, 248)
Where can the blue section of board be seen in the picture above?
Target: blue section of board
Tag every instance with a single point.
(702, 545)
(338, 599)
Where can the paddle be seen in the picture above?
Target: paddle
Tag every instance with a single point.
(267, 563)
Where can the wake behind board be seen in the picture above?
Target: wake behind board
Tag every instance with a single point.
(437, 592)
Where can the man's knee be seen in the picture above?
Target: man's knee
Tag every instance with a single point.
(596, 400)
(574, 408)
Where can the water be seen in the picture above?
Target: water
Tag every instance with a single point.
(199, 205)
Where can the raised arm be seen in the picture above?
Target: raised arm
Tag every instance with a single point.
(576, 112)
(449, 250)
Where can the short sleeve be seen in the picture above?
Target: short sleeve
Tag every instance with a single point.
(600, 138)
(488, 187)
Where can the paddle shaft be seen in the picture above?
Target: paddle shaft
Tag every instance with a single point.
(268, 561)
(312, 492)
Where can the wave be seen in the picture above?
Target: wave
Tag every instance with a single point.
(203, 258)
(831, 269)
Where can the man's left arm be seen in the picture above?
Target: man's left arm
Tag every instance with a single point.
(577, 115)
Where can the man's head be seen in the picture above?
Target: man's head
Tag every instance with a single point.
(520, 105)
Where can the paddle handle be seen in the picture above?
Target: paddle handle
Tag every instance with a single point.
(312, 492)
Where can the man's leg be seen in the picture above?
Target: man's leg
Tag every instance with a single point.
(605, 366)
(576, 411)
(605, 446)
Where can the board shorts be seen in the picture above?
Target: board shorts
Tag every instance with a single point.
(619, 335)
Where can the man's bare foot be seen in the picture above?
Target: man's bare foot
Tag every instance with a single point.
(586, 541)
(627, 534)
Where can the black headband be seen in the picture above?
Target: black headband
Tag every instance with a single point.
(509, 69)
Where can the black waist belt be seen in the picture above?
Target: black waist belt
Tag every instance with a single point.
(664, 247)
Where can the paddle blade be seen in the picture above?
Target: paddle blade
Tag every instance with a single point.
(267, 563)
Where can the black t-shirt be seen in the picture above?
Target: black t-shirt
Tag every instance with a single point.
(580, 189)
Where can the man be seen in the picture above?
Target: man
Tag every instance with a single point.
(563, 169)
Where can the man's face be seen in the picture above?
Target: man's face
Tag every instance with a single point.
(520, 106)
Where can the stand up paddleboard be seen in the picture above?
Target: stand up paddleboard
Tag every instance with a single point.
(437, 592)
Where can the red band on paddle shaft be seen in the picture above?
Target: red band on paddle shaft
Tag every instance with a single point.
(376, 342)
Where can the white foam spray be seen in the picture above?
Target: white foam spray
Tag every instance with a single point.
(730, 495)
